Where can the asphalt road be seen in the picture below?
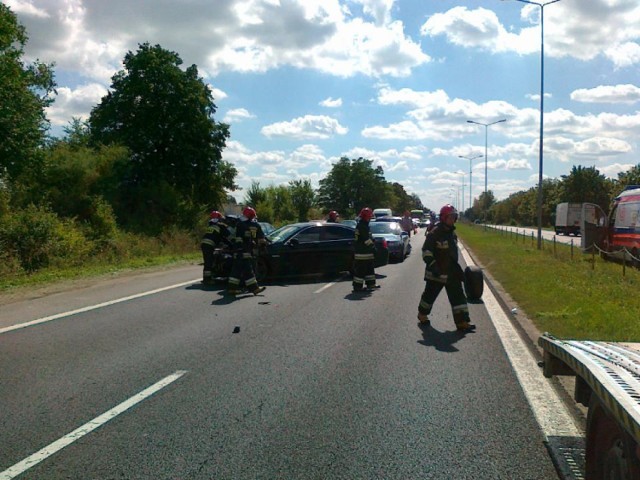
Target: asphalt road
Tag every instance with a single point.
(318, 383)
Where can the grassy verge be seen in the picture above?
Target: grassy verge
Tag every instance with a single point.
(580, 297)
(48, 276)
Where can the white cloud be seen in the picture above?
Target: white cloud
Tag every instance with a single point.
(307, 127)
(612, 171)
(74, 103)
(582, 30)
(624, 55)
(237, 115)
(331, 103)
(607, 94)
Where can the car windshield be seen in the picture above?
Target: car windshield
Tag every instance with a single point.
(385, 227)
(283, 233)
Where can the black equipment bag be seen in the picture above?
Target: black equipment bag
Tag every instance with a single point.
(473, 283)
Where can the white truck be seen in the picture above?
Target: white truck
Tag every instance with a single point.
(568, 217)
(608, 383)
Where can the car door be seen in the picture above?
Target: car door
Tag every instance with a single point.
(301, 252)
(337, 248)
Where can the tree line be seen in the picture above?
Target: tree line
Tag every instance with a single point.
(580, 185)
(142, 172)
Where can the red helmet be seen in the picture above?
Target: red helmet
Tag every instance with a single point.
(446, 211)
(216, 215)
(333, 215)
(249, 212)
(366, 213)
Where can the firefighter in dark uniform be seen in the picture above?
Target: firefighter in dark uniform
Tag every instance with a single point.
(364, 254)
(440, 253)
(333, 217)
(249, 238)
(216, 237)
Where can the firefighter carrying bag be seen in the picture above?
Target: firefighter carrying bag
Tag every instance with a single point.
(473, 283)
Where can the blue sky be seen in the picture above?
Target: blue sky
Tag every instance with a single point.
(305, 82)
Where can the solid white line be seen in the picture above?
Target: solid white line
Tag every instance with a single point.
(549, 409)
(92, 307)
(88, 427)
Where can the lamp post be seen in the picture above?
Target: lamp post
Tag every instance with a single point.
(486, 129)
(541, 5)
(470, 181)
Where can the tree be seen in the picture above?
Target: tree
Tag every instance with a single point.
(302, 197)
(164, 116)
(255, 194)
(630, 177)
(585, 184)
(352, 185)
(24, 92)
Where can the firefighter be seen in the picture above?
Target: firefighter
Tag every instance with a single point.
(333, 217)
(364, 253)
(440, 254)
(216, 237)
(249, 238)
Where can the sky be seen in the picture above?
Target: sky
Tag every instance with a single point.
(303, 83)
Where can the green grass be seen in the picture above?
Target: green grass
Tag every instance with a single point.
(583, 297)
(12, 283)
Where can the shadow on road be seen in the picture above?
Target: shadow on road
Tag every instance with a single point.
(441, 341)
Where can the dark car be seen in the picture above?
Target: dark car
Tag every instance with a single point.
(267, 228)
(397, 239)
(312, 248)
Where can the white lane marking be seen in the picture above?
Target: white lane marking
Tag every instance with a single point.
(93, 307)
(325, 287)
(88, 427)
(550, 411)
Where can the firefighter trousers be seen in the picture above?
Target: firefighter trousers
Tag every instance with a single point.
(456, 296)
(363, 274)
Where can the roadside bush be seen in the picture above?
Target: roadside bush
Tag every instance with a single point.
(35, 237)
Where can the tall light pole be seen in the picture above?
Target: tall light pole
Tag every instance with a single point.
(470, 175)
(541, 5)
(486, 129)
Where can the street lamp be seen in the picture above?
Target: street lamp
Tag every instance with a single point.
(486, 128)
(470, 175)
(462, 195)
(541, 5)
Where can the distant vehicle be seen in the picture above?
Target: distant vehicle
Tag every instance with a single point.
(397, 239)
(312, 248)
(382, 212)
(417, 213)
(618, 234)
(568, 218)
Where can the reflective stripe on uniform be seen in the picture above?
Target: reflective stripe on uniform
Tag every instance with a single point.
(251, 281)
(425, 306)
(233, 281)
(368, 242)
(358, 280)
(208, 241)
(363, 256)
(460, 308)
(430, 276)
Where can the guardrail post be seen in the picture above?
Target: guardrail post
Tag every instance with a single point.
(532, 237)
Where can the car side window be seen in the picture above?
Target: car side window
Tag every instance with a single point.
(311, 234)
(336, 233)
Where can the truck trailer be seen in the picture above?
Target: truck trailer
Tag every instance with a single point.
(568, 218)
(608, 384)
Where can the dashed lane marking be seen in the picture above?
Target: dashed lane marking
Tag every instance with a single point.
(88, 427)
